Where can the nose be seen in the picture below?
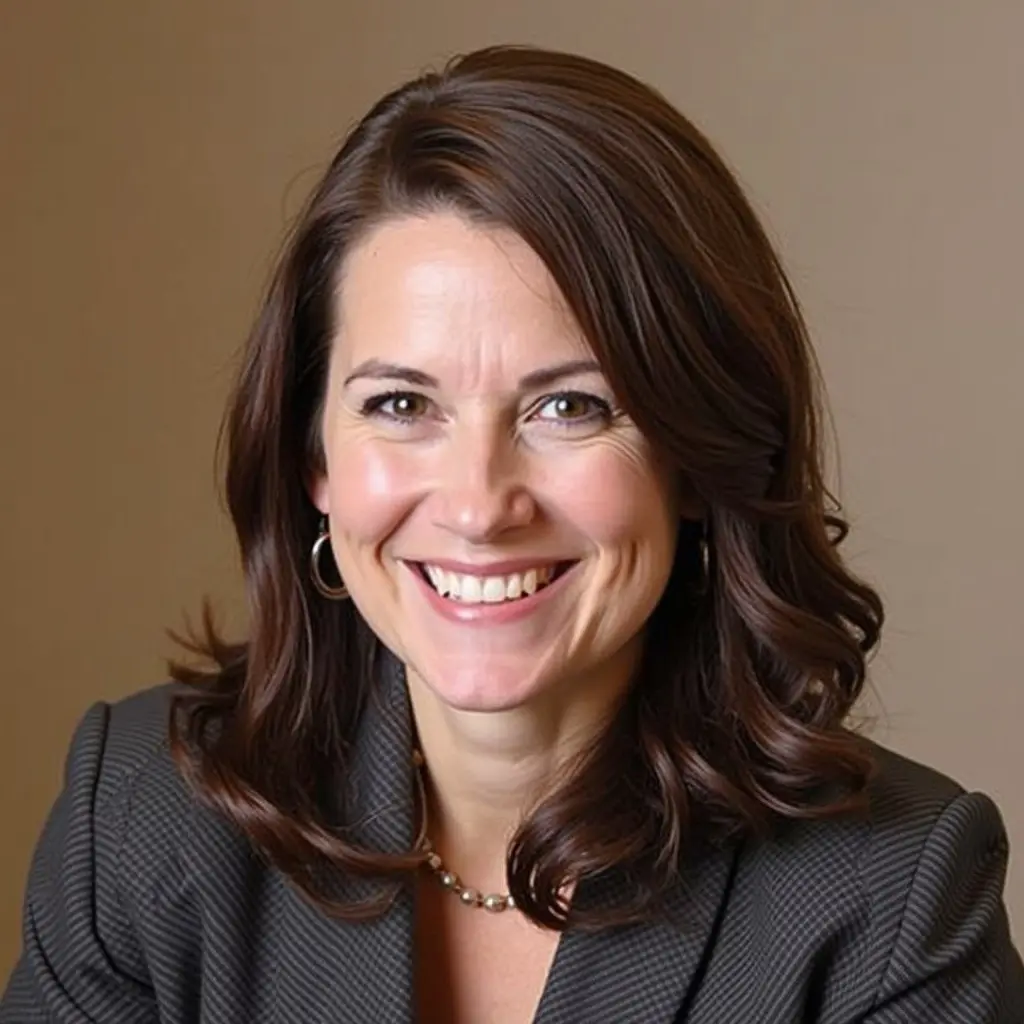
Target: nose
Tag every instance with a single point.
(482, 491)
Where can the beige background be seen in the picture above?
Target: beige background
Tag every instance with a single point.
(150, 154)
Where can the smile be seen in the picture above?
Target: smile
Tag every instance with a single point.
(469, 589)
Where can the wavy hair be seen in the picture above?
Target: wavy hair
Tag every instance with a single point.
(737, 720)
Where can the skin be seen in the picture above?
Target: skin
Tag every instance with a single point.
(475, 468)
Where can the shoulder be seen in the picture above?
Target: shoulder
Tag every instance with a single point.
(914, 811)
(917, 811)
(906, 796)
(921, 826)
(912, 889)
(147, 819)
(123, 745)
(128, 734)
(91, 883)
(907, 802)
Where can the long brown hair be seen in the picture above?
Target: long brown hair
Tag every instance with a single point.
(736, 721)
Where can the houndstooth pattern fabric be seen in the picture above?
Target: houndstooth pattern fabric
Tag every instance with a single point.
(142, 906)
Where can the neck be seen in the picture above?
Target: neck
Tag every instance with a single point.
(484, 772)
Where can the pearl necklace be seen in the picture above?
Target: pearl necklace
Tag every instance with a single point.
(494, 902)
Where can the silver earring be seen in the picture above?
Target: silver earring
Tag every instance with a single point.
(333, 593)
(704, 554)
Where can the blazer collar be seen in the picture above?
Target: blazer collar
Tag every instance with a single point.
(355, 972)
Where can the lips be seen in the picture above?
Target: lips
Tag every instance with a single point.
(483, 587)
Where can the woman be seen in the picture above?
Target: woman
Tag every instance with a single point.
(541, 713)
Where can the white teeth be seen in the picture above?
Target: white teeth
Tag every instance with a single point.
(469, 589)
(488, 589)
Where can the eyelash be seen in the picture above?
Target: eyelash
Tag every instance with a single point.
(375, 406)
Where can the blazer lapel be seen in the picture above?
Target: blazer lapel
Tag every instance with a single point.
(338, 971)
(646, 972)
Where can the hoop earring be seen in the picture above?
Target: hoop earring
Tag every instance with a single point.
(332, 593)
(704, 555)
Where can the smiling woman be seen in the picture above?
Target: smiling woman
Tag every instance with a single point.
(510, 467)
(542, 712)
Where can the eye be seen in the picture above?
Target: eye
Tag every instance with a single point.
(403, 406)
(573, 407)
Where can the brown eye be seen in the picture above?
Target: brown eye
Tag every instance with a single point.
(407, 405)
(397, 405)
(572, 407)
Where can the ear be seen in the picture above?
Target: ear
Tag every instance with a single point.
(319, 492)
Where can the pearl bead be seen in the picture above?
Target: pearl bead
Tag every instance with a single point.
(493, 902)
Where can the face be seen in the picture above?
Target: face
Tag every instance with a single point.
(499, 521)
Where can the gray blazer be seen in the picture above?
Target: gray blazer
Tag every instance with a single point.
(142, 906)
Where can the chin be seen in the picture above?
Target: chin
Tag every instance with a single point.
(484, 688)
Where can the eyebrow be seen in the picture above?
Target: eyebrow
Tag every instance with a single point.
(376, 369)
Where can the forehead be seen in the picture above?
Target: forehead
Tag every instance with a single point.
(444, 294)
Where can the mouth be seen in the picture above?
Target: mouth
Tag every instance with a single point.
(467, 589)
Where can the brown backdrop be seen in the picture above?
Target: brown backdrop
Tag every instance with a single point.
(150, 155)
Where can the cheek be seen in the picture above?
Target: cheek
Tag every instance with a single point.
(371, 489)
(617, 498)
